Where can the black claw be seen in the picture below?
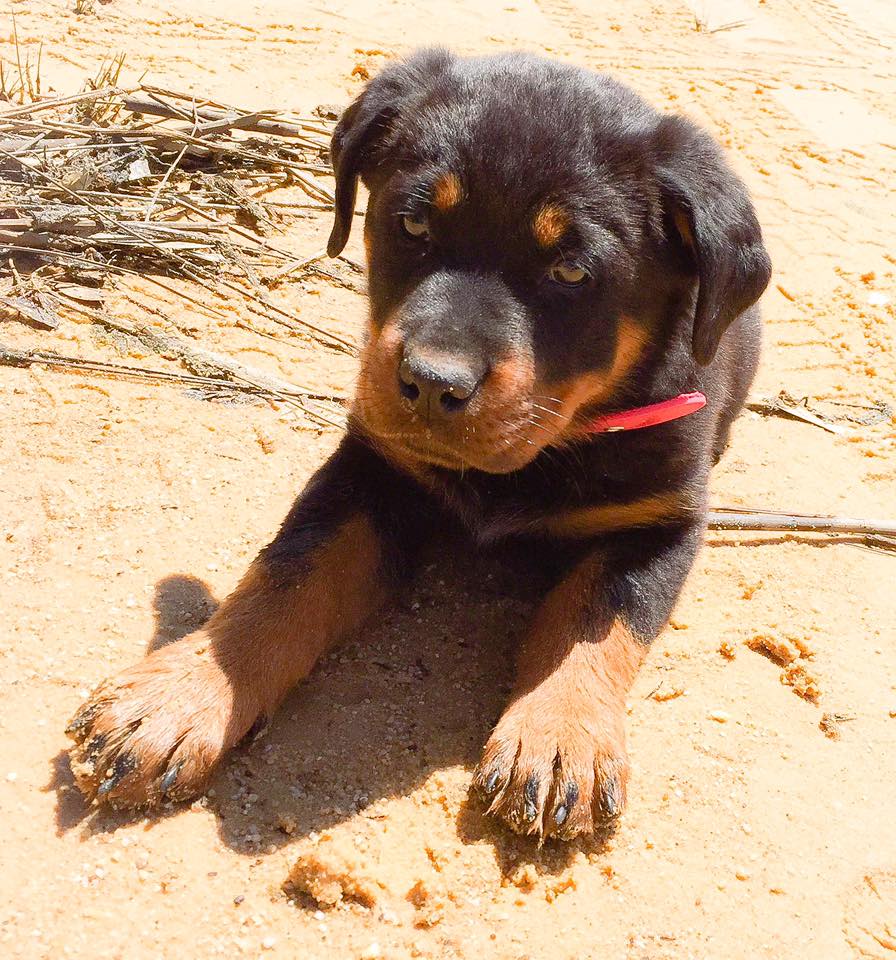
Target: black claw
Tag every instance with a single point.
(83, 718)
(124, 764)
(569, 801)
(95, 748)
(611, 798)
(530, 809)
(168, 780)
(492, 783)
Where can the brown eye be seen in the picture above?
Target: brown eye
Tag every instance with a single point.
(568, 274)
(415, 228)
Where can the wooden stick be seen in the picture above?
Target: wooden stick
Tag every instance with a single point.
(200, 361)
(66, 257)
(254, 122)
(297, 399)
(30, 108)
(725, 518)
(312, 126)
(785, 406)
(26, 358)
(301, 170)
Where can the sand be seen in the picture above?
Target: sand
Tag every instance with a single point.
(129, 508)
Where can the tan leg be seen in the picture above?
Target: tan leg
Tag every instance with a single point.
(556, 763)
(160, 727)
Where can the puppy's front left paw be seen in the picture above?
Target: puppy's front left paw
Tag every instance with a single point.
(555, 766)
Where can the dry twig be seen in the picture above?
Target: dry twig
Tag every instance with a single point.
(742, 518)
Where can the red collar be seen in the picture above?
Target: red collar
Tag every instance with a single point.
(649, 416)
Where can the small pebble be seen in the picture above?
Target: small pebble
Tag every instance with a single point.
(373, 952)
(720, 716)
(265, 440)
(268, 943)
(742, 874)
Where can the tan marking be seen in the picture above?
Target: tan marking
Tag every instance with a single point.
(649, 511)
(684, 228)
(287, 628)
(560, 647)
(447, 192)
(566, 720)
(598, 387)
(550, 224)
(510, 404)
(510, 379)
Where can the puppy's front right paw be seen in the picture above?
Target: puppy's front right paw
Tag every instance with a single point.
(158, 729)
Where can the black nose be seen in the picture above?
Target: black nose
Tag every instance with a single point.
(437, 385)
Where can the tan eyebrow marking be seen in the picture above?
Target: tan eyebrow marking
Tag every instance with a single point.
(447, 192)
(549, 225)
(684, 228)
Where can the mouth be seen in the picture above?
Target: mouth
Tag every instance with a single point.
(504, 455)
(499, 436)
(430, 452)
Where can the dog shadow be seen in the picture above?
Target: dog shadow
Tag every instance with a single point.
(418, 693)
(181, 605)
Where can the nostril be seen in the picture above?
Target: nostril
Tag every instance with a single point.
(405, 373)
(460, 390)
(451, 403)
(406, 384)
(408, 390)
(456, 396)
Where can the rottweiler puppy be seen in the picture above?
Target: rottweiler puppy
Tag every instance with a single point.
(562, 328)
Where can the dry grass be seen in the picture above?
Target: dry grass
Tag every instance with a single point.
(114, 180)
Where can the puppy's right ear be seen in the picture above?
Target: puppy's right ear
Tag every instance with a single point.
(362, 137)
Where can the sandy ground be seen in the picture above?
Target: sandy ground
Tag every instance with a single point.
(128, 508)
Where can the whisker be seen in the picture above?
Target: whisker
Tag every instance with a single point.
(554, 413)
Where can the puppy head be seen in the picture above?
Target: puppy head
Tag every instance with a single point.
(530, 229)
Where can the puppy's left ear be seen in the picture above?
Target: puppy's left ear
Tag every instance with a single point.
(364, 133)
(711, 211)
